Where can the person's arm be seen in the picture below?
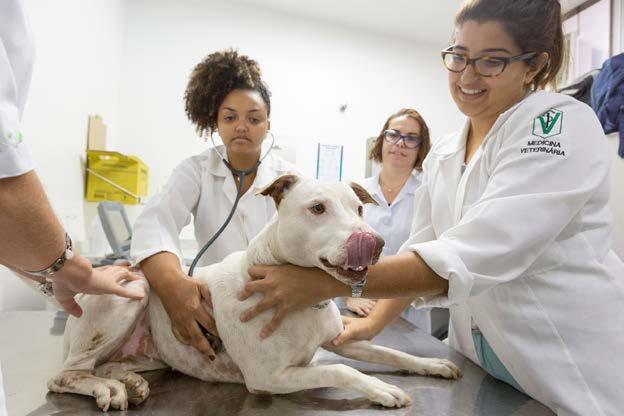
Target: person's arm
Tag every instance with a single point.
(156, 247)
(289, 288)
(499, 238)
(384, 312)
(32, 239)
(182, 298)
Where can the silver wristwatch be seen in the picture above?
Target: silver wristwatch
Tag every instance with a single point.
(58, 264)
(357, 289)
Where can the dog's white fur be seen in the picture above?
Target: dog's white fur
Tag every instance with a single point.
(101, 363)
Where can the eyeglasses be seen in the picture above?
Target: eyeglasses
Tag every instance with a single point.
(411, 141)
(486, 66)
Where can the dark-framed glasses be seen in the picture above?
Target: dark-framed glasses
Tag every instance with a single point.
(486, 66)
(411, 141)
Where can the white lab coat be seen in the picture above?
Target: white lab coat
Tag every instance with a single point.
(16, 62)
(203, 188)
(393, 223)
(523, 237)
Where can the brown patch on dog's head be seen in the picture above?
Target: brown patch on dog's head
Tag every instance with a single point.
(278, 188)
(363, 194)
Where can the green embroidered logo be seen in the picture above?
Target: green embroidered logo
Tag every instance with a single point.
(548, 124)
(12, 139)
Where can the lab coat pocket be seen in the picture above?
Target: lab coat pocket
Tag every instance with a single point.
(552, 257)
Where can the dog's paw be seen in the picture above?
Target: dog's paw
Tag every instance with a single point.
(111, 394)
(137, 388)
(435, 367)
(387, 395)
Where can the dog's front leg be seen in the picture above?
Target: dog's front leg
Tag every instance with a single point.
(293, 379)
(366, 351)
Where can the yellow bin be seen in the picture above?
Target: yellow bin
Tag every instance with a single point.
(112, 176)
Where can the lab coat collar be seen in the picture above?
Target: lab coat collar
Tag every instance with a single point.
(372, 184)
(456, 142)
(453, 152)
(453, 143)
(216, 167)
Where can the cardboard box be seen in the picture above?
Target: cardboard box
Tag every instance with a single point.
(112, 176)
(96, 133)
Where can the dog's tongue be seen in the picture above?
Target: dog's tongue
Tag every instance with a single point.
(361, 249)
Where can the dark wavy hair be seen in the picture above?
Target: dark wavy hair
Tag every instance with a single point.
(213, 79)
(534, 25)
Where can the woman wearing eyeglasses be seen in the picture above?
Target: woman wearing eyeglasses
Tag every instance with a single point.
(400, 149)
(512, 225)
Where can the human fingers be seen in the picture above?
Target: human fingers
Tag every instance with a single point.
(65, 298)
(257, 309)
(347, 334)
(206, 320)
(205, 293)
(199, 341)
(258, 272)
(359, 311)
(251, 288)
(111, 281)
(273, 324)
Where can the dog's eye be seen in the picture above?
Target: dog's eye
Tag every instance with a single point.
(360, 210)
(317, 209)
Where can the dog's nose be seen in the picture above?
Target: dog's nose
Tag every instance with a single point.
(363, 249)
(380, 243)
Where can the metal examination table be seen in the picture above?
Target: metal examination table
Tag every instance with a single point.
(31, 352)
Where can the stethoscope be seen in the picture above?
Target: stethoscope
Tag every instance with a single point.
(215, 341)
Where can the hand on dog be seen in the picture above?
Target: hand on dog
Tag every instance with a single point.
(356, 329)
(286, 288)
(102, 280)
(360, 306)
(187, 305)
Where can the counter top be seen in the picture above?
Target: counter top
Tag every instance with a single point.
(31, 353)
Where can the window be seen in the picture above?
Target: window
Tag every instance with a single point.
(587, 32)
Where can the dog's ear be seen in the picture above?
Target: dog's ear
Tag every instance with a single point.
(363, 194)
(278, 188)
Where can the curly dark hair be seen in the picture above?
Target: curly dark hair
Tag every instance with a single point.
(213, 79)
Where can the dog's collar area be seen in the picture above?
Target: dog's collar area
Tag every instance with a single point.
(321, 305)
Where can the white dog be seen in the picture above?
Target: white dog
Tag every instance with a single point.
(317, 225)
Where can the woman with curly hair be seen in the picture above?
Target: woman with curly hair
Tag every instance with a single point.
(225, 95)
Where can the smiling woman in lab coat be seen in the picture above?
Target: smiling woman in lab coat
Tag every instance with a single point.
(400, 148)
(511, 226)
(226, 94)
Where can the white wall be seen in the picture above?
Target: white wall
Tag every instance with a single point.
(312, 68)
(76, 73)
(129, 61)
